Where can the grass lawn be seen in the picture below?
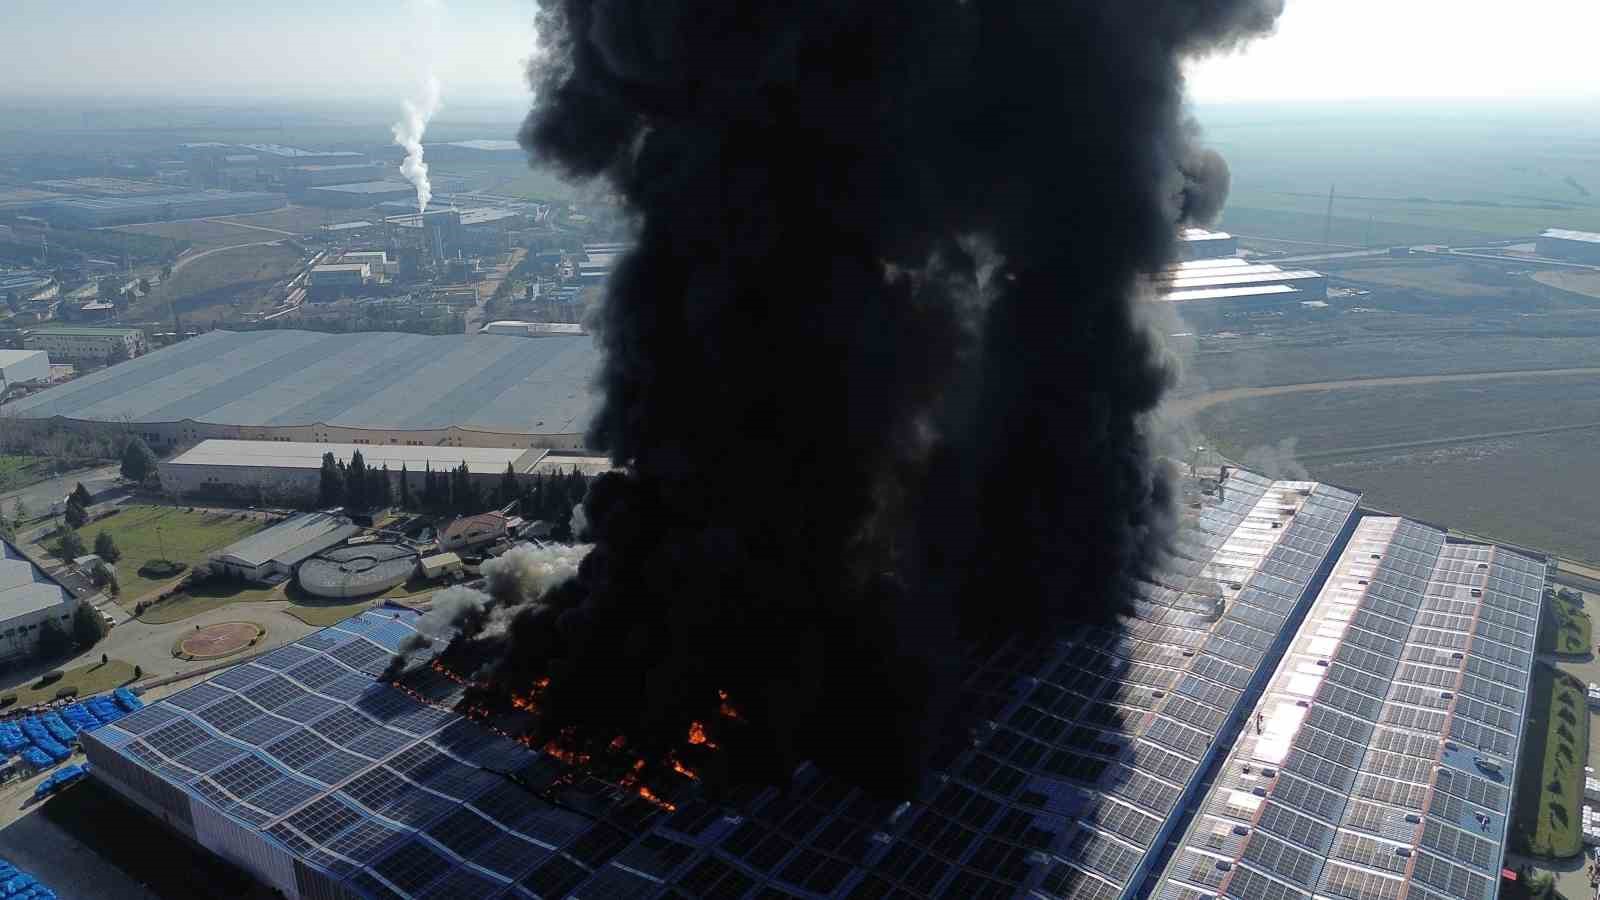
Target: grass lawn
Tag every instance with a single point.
(19, 471)
(147, 850)
(187, 536)
(1548, 801)
(95, 678)
(204, 598)
(413, 587)
(1566, 628)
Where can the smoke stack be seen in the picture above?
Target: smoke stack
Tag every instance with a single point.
(875, 368)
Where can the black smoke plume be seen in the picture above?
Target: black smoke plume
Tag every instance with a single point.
(876, 367)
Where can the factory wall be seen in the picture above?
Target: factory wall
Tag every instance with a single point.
(165, 435)
(19, 636)
(278, 484)
(1563, 248)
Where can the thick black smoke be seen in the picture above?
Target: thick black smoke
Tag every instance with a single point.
(876, 367)
(1206, 183)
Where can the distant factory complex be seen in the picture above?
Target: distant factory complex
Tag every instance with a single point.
(1562, 243)
(367, 388)
(1212, 285)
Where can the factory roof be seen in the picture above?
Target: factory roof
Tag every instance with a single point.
(347, 226)
(12, 281)
(1225, 293)
(1380, 760)
(291, 540)
(342, 267)
(365, 187)
(83, 330)
(283, 152)
(329, 167)
(1086, 742)
(12, 357)
(486, 145)
(1253, 275)
(1565, 234)
(477, 215)
(307, 455)
(366, 379)
(112, 204)
(1202, 234)
(24, 587)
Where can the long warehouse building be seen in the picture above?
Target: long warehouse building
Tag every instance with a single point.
(364, 388)
(1382, 758)
(286, 472)
(1087, 750)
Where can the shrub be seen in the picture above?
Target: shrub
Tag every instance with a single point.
(66, 692)
(7, 699)
(48, 678)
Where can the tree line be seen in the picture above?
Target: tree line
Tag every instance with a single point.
(358, 487)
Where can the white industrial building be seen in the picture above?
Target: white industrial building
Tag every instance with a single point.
(1209, 292)
(1564, 243)
(22, 367)
(274, 552)
(84, 343)
(28, 598)
(1198, 243)
(531, 329)
(283, 471)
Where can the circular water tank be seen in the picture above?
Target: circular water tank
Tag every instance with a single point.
(359, 570)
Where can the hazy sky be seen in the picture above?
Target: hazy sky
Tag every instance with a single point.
(1325, 49)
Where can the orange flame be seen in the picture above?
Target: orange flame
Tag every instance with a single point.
(649, 795)
(685, 771)
(618, 742)
(697, 733)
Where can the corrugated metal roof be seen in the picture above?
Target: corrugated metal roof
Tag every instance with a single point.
(290, 537)
(307, 455)
(1263, 290)
(24, 587)
(364, 380)
(1565, 234)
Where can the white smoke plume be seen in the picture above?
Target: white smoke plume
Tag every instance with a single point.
(408, 134)
(446, 607)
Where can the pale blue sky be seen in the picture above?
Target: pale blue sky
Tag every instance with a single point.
(1325, 49)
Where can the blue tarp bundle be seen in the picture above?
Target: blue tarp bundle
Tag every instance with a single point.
(126, 699)
(79, 718)
(33, 730)
(37, 758)
(58, 728)
(105, 709)
(11, 738)
(66, 775)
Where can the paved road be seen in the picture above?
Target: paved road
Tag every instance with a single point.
(1195, 403)
(150, 646)
(39, 496)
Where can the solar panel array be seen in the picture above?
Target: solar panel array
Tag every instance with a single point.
(1381, 759)
(1087, 744)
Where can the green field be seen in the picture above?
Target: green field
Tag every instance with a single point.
(1565, 628)
(204, 598)
(18, 471)
(201, 233)
(218, 285)
(95, 678)
(141, 533)
(1547, 806)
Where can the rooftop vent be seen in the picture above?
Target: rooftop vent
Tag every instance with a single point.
(1446, 695)
(1269, 772)
(1413, 818)
(1377, 556)
(1241, 830)
(1476, 592)
(1224, 866)
(1259, 791)
(1322, 662)
(1402, 851)
(1457, 656)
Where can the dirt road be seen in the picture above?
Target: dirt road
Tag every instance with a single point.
(1197, 402)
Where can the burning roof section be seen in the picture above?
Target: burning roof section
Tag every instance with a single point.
(1379, 762)
(1087, 746)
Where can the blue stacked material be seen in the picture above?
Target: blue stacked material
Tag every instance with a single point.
(65, 776)
(16, 884)
(79, 718)
(54, 750)
(34, 731)
(37, 758)
(58, 728)
(105, 709)
(126, 699)
(11, 738)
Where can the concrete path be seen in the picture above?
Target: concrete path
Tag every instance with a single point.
(39, 496)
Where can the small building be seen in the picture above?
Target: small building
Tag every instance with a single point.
(28, 286)
(440, 565)
(86, 343)
(332, 279)
(273, 553)
(468, 532)
(28, 598)
(18, 367)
